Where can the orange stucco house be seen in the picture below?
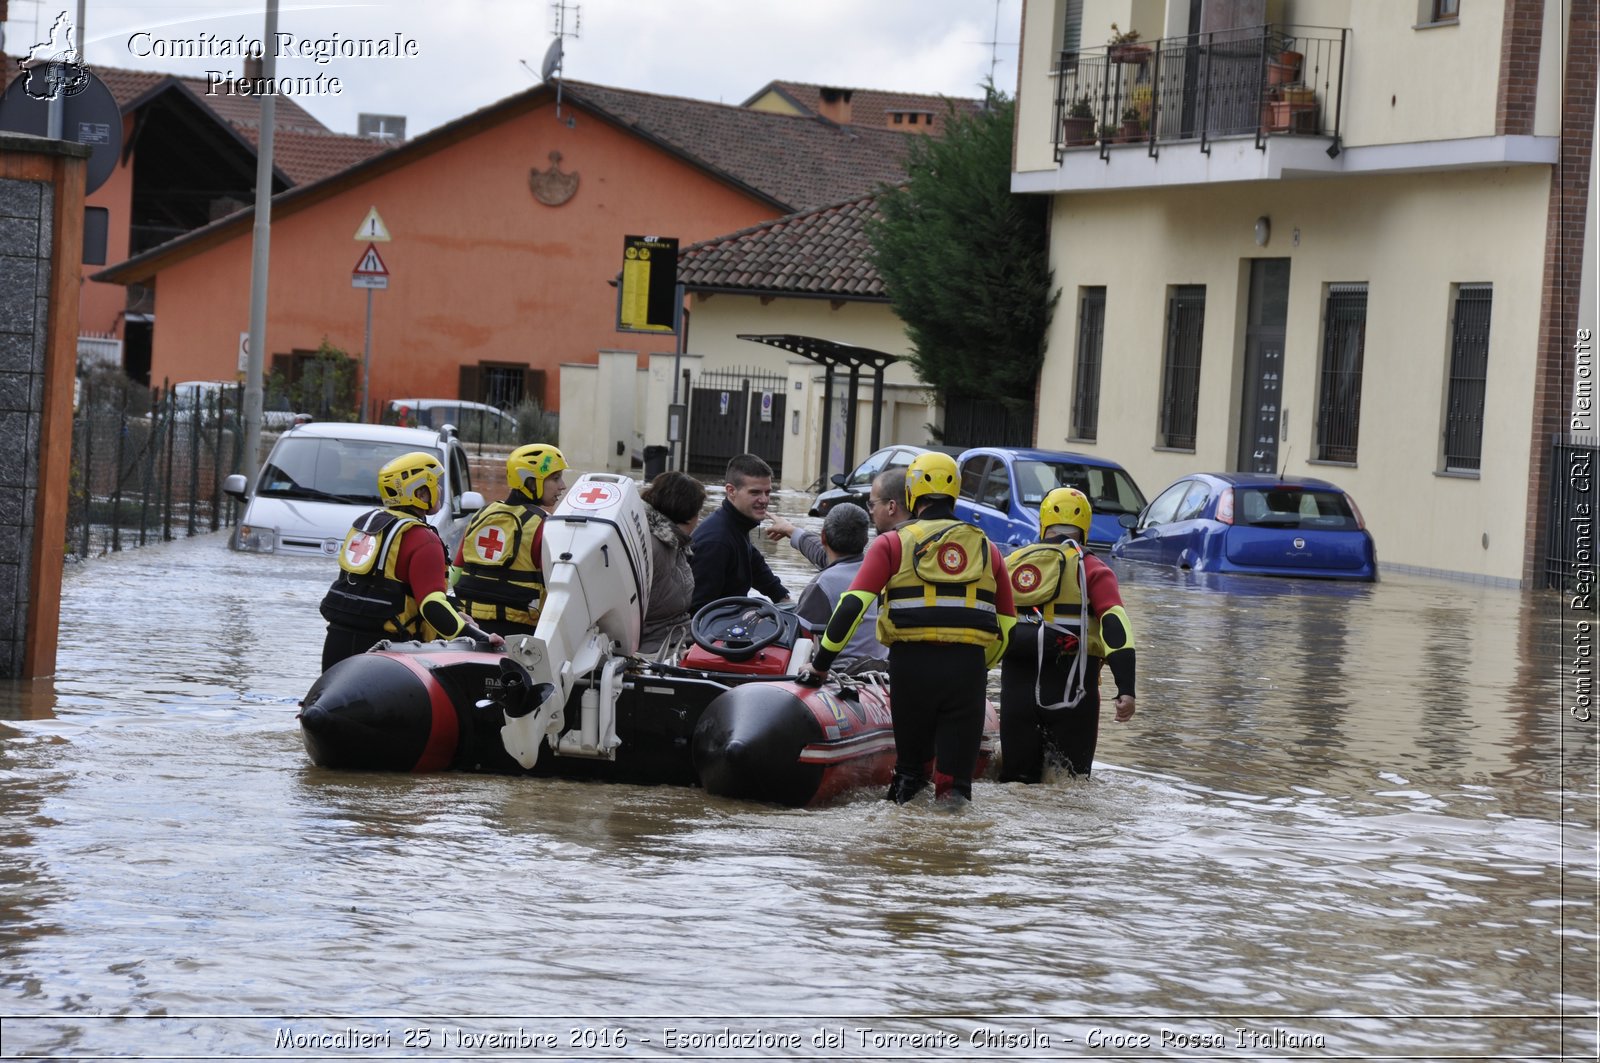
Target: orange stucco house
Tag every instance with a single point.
(187, 158)
(507, 228)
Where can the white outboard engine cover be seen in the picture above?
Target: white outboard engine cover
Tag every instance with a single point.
(597, 575)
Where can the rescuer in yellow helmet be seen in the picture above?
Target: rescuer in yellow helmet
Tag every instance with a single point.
(944, 611)
(391, 582)
(1071, 624)
(499, 578)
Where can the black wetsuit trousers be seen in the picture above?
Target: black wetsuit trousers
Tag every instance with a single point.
(937, 699)
(1029, 734)
(342, 642)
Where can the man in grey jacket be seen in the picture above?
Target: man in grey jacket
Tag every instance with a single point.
(837, 552)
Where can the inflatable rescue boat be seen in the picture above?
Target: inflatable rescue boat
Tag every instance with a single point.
(721, 709)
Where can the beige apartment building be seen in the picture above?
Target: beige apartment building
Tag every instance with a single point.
(1334, 238)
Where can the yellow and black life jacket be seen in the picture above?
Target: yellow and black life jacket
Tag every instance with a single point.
(501, 577)
(944, 589)
(367, 594)
(1049, 577)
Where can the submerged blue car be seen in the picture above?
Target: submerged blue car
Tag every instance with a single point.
(1254, 523)
(1002, 487)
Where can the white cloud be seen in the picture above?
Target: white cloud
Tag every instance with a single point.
(471, 54)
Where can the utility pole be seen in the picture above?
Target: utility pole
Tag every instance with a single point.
(255, 356)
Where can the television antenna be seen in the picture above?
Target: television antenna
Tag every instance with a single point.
(995, 43)
(551, 66)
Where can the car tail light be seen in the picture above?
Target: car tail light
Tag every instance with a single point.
(1225, 506)
(1360, 521)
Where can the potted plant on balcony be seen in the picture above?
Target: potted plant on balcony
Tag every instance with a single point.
(1107, 133)
(1132, 128)
(1124, 46)
(1284, 68)
(1294, 110)
(1078, 125)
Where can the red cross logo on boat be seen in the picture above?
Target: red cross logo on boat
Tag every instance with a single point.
(360, 546)
(594, 495)
(490, 543)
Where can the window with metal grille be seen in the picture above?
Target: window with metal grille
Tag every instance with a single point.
(1086, 388)
(1469, 371)
(1344, 339)
(1180, 369)
(1072, 30)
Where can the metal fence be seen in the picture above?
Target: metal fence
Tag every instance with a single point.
(1569, 556)
(970, 422)
(1256, 80)
(147, 467)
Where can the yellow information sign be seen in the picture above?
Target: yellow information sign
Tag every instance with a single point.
(649, 284)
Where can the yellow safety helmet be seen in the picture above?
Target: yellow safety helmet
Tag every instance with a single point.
(931, 474)
(1066, 505)
(529, 466)
(402, 478)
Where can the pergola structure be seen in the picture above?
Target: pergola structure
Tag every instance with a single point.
(831, 356)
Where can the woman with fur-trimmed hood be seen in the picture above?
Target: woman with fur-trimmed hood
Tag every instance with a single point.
(673, 501)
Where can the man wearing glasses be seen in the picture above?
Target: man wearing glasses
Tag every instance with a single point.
(886, 500)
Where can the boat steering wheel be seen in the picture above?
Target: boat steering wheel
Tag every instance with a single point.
(737, 628)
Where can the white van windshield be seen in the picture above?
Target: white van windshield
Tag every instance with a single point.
(328, 470)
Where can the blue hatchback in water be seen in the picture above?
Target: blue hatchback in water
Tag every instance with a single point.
(1253, 523)
(1002, 487)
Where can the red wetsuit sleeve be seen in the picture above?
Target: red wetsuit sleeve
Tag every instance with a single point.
(881, 562)
(1004, 604)
(421, 563)
(538, 547)
(1103, 590)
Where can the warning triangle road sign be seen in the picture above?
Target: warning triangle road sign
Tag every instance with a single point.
(371, 263)
(372, 228)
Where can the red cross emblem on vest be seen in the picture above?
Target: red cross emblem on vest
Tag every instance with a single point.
(490, 543)
(1026, 578)
(360, 547)
(952, 558)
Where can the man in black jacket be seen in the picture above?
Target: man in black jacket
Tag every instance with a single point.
(726, 562)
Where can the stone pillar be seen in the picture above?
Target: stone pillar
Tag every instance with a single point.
(41, 250)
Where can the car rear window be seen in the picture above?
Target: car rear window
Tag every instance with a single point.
(1108, 490)
(1293, 507)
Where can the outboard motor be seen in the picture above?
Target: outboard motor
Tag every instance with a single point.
(597, 574)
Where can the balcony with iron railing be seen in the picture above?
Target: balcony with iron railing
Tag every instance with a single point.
(1259, 81)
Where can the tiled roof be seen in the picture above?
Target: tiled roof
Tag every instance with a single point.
(869, 107)
(303, 148)
(305, 155)
(128, 85)
(797, 162)
(824, 251)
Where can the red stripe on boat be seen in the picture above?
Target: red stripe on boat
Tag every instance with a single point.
(444, 732)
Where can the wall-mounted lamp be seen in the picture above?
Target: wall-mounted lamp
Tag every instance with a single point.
(1263, 230)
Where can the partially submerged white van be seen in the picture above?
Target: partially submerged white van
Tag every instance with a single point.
(321, 476)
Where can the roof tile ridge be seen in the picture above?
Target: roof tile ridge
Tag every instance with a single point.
(775, 224)
(734, 108)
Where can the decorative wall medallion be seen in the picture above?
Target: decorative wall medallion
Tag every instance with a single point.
(552, 187)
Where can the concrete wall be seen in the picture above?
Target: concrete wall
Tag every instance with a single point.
(1410, 238)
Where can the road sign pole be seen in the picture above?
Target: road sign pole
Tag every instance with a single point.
(366, 358)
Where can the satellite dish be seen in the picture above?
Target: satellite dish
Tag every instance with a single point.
(552, 60)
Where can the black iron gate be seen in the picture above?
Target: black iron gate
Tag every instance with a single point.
(732, 412)
(1569, 557)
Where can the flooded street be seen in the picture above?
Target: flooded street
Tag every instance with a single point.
(1347, 822)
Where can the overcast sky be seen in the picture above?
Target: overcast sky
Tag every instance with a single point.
(470, 53)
